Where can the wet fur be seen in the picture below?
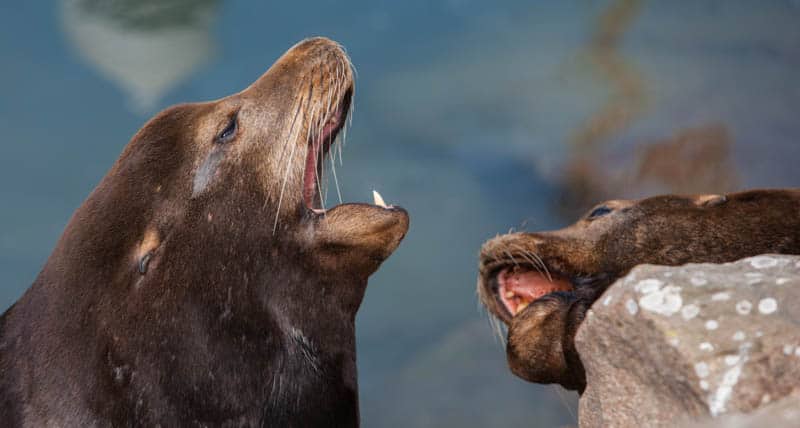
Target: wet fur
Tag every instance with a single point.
(168, 304)
(593, 253)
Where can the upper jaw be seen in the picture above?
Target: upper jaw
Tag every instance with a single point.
(510, 281)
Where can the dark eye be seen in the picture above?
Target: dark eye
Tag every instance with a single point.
(229, 132)
(599, 212)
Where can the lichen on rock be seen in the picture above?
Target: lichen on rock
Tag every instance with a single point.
(704, 341)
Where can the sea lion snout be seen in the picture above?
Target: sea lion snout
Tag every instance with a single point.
(517, 269)
(315, 47)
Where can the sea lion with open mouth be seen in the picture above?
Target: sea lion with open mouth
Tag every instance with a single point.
(541, 284)
(202, 282)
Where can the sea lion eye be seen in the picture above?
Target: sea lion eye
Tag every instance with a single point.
(599, 212)
(229, 132)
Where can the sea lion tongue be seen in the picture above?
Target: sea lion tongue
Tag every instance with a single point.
(518, 287)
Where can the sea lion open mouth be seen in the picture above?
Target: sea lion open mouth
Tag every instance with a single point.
(319, 145)
(316, 85)
(518, 286)
(512, 277)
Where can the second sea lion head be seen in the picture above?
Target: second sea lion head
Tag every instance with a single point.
(540, 284)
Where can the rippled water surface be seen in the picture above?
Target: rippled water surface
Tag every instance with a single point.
(475, 116)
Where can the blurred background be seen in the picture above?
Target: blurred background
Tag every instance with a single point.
(476, 116)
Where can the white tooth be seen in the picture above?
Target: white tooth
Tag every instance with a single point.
(378, 199)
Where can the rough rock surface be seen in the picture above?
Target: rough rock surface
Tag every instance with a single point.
(784, 413)
(667, 346)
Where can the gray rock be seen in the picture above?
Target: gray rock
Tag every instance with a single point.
(665, 346)
(784, 413)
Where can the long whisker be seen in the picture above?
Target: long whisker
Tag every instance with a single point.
(560, 394)
(321, 165)
(333, 171)
(535, 260)
(511, 257)
(539, 262)
(497, 328)
(290, 138)
(313, 133)
(543, 264)
(283, 188)
(289, 162)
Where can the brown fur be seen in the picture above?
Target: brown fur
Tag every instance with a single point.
(593, 253)
(182, 293)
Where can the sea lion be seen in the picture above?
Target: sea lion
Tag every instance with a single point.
(541, 284)
(201, 283)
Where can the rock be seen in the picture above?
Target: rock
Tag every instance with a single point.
(665, 346)
(784, 413)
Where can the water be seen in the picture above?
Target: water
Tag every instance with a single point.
(475, 116)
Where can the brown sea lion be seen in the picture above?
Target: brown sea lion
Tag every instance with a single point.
(541, 284)
(201, 283)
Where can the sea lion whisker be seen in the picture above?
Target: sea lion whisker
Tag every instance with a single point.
(541, 263)
(530, 260)
(536, 262)
(564, 402)
(283, 188)
(511, 257)
(350, 64)
(494, 323)
(332, 157)
(497, 329)
(289, 164)
(524, 254)
(344, 137)
(318, 178)
(348, 122)
(290, 138)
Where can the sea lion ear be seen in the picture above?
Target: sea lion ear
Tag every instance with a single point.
(710, 200)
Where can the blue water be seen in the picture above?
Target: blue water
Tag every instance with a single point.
(468, 114)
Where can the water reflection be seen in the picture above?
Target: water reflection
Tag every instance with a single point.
(604, 62)
(145, 47)
(693, 160)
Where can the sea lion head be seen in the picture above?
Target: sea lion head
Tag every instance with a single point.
(208, 239)
(540, 284)
(246, 170)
